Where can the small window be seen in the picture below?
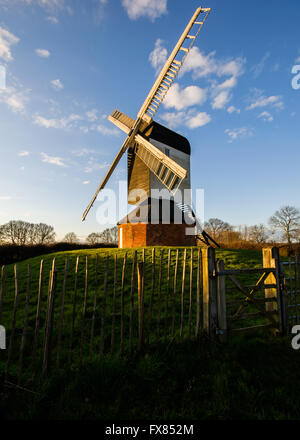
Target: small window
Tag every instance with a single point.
(167, 152)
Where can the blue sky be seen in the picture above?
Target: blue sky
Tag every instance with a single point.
(69, 64)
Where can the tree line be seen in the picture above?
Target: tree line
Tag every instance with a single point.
(283, 226)
(21, 233)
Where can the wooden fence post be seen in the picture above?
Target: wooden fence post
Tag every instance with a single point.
(103, 311)
(271, 260)
(61, 315)
(73, 312)
(123, 306)
(297, 280)
(94, 308)
(167, 294)
(114, 305)
(25, 327)
(14, 320)
(2, 291)
(174, 294)
(38, 313)
(132, 287)
(191, 293)
(221, 297)
(141, 303)
(199, 265)
(159, 293)
(86, 292)
(49, 320)
(210, 314)
(182, 294)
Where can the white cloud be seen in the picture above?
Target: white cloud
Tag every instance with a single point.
(199, 120)
(238, 133)
(57, 84)
(257, 70)
(52, 160)
(221, 100)
(43, 53)
(23, 153)
(208, 66)
(151, 9)
(174, 120)
(181, 99)
(227, 84)
(95, 166)
(50, 5)
(105, 131)
(5, 198)
(62, 123)
(86, 182)
(263, 101)
(233, 109)
(191, 119)
(14, 99)
(297, 60)
(202, 65)
(158, 56)
(92, 115)
(266, 116)
(52, 19)
(7, 39)
(83, 152)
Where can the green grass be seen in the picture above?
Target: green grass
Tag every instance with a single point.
(232, 258)
(251, 378)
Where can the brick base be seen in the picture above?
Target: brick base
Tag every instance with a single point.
(135, 235)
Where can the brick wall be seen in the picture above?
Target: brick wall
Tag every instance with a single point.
(140, 235)
(134, 235)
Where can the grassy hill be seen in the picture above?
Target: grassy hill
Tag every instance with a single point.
(180, 380)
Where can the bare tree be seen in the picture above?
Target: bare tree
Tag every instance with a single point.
(216, 228)
(71, 237)
(258, 234)
(286, 220)
(110, 235)
(23, 233)
(94, 238)
(16, 232)
(41, 234)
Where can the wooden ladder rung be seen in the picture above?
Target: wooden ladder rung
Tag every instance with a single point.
(177, 62)
(198, 22)
(191, 37)
(172, 183)
(167, 176)
(184, 49)
(164, 86)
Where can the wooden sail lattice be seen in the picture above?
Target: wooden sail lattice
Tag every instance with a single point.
(165, 169)
(174, 64)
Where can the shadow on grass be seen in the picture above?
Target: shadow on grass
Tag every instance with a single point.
(249, 378)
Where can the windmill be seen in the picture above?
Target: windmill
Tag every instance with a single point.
(152, 165)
